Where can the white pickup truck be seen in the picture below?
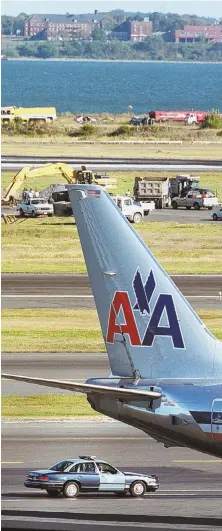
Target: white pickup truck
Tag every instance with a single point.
(134, 211)
(35, 207)
(196, 199)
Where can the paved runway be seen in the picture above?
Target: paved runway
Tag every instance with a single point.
(73, 291)
(190, 482)
(56, 366)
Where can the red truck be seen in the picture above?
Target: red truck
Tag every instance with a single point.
(178, 116)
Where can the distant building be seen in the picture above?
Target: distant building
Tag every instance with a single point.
(73, 26)
(133, 30)
(191, 34)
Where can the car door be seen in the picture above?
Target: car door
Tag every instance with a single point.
(88, 475)
(111, 479)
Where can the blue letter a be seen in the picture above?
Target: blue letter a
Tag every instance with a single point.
(173, 330)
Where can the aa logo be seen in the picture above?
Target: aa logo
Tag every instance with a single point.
(163, 308)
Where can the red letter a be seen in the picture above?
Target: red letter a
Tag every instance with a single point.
(121, 300)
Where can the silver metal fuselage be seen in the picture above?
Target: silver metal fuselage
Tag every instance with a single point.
(189, 413)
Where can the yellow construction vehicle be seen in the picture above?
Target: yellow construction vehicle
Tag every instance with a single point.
(72, 177)
(28, 114)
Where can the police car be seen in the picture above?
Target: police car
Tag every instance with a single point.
(89, 474)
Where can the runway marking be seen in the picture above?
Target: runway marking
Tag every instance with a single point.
(42, 296)
(12, 462)
(197, 460)
(35, 296)
(49, 439)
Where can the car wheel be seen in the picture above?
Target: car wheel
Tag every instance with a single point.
(210, 208)
(137, 218)
(137, 489)
(188, 208)
(196, 206)
(33, 214)
(174, 205)
(50, 215)
(53, 493)
(21, 213)
(215, 218)
(71, 489)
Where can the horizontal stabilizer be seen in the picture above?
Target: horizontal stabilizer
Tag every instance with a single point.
(117, 393)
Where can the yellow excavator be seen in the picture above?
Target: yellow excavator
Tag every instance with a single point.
(82, 176)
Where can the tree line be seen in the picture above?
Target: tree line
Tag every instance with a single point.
(153, 48)
(163, 22)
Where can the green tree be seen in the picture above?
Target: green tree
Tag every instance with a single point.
(99, 34)
(46, 50)
(27, 50)
(7, 25)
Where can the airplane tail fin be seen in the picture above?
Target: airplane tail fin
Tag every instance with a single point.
(149, 328)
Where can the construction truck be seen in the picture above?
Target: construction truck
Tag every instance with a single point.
(82, 176)
(146, 189)
(166, 192)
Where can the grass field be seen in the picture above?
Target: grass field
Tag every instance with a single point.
(46, 406)
(66, 330)
(65, 146)
(52, 246)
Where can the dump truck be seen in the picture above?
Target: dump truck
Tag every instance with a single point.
(146, 189)
(166, 192)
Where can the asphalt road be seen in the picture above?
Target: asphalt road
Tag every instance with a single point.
(73, 291)
(165, 215)
(190, 483)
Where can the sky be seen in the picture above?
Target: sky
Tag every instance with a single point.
(202, 7)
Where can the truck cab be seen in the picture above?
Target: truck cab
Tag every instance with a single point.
(134, 211)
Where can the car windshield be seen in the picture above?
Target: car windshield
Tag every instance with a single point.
(36, 201)
(62, 466)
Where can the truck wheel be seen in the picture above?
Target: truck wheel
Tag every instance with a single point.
(188, 208)
(21, 213)
(196, 206)
(71, 489)
(137, 218)
(215, 218)
(137, 489)
(174, 205)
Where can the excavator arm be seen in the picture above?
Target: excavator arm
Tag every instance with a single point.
(63, 169)
(31, 171)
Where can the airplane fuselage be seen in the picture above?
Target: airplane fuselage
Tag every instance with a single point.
(189, 413)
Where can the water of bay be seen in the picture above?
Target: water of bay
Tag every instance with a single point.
(97, 87)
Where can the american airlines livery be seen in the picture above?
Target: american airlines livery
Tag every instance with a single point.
(166, 366)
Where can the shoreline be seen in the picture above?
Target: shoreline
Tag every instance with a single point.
(84, 60)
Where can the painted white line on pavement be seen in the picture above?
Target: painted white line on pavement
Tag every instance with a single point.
(46, 296)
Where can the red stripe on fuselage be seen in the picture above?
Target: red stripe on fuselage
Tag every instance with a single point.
(216, 437)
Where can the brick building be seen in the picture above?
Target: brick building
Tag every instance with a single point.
(191, 34)
(74, 26)
(133, 31)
